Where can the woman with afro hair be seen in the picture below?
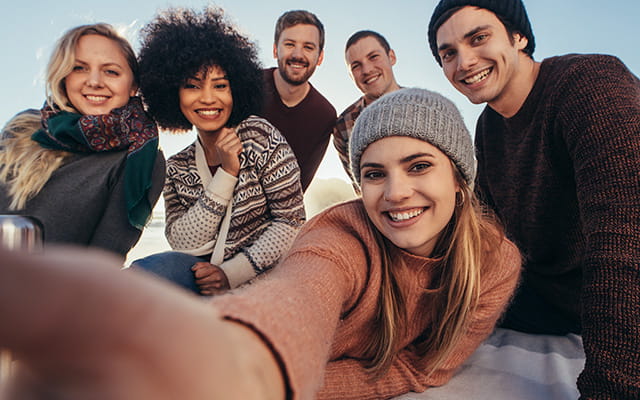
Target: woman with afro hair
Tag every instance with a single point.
(233, 198)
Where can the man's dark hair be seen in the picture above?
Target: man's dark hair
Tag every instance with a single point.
(366, 33)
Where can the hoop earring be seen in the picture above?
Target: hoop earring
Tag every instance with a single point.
(462, 199)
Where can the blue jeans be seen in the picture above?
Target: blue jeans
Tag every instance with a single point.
(173, 266)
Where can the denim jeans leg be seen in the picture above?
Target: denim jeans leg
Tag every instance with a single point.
(173, 266)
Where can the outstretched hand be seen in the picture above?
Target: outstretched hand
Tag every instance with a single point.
(82, 329)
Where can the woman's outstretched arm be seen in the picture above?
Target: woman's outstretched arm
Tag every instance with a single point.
(83, 329)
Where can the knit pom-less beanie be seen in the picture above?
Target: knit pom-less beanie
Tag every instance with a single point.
(512, 11)
(416, 113)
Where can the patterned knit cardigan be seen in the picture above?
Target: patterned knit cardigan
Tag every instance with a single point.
(267, 202)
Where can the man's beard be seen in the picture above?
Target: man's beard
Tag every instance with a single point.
(282, 64)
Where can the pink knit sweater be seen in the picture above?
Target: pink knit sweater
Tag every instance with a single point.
(316, 310)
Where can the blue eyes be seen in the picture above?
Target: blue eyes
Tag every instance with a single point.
(82, 68)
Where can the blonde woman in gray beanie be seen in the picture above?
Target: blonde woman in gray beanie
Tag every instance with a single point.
(378, 296)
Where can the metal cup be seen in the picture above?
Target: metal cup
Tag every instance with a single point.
(19, 233)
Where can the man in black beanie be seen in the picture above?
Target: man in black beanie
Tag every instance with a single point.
(558, 148)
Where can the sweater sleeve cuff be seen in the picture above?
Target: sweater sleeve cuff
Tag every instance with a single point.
(238, 270)
(222, 185)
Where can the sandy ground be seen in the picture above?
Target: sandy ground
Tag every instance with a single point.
(152, 241)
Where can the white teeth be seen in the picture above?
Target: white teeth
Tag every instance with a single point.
(96, 98)
(403, 216)
(478, 77)
(371, 80)
(208, 113)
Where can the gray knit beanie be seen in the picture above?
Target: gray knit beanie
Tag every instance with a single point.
(416, 113)
(511, 11)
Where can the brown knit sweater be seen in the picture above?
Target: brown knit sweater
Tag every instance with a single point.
(319, 305)
(564, 176)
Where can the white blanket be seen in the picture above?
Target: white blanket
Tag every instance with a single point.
(512, 365)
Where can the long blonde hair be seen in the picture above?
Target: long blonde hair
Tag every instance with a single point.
(463, 245)
(25, 166)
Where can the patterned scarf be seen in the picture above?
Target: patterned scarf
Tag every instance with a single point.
(127, 127)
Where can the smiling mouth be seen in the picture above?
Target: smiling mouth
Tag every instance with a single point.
(208, 113)
(371, 79)
(297, 64)
(405, 215)
(96, 99)
(480, 76)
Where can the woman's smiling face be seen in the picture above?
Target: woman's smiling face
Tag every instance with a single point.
(101, 79)
(206, 100)
(409, 191)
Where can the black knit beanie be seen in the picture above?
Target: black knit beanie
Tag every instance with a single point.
(512, 11)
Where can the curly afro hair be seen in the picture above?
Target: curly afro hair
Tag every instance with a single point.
(180, 43)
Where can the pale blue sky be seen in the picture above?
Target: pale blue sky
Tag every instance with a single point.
(30, 28)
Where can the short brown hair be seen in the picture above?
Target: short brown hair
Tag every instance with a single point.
(364, 34)
(297, 17)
